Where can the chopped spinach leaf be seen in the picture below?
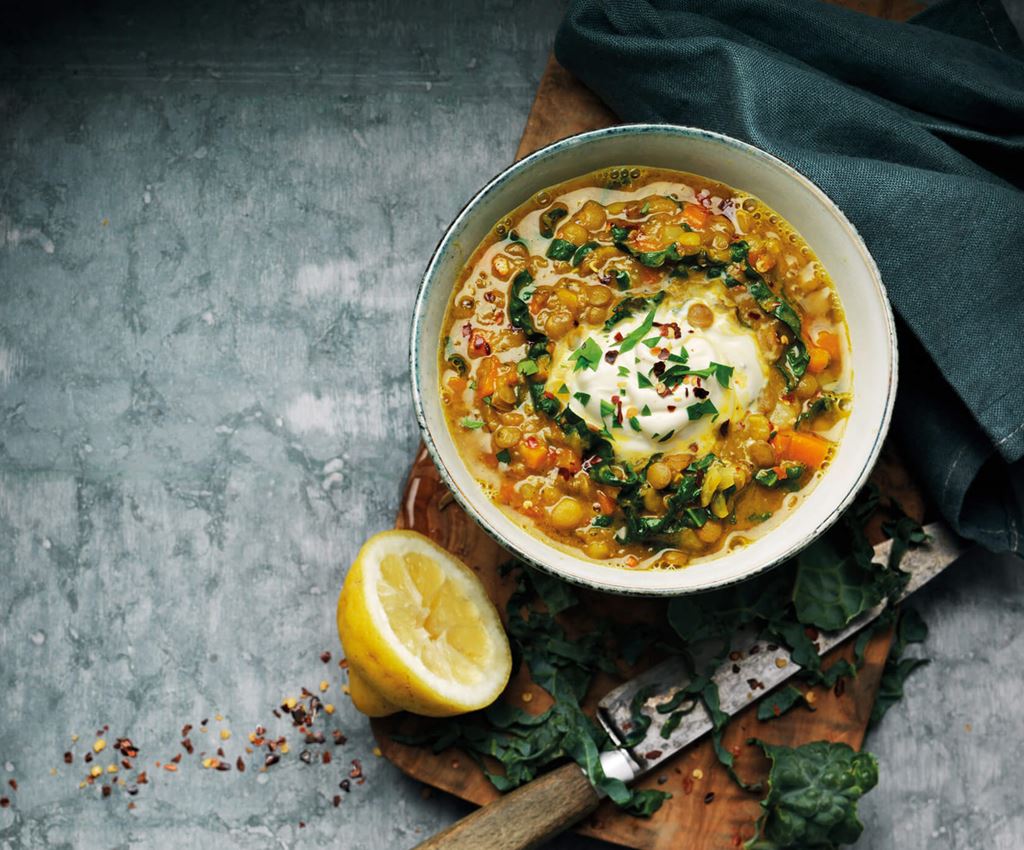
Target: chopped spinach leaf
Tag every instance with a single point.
(471, 424)
(504, 456)
(518, 309)
(559, 249)
(642, 381)
(634, 423)
(621, 279)
(582, 398)
(549, 217)
(581, 252)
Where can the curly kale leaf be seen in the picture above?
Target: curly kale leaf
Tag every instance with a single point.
(812, 796)
(909, 629)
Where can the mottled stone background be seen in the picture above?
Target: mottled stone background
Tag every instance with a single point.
(212, 222)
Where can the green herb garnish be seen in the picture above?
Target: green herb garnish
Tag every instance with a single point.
(587, 356)
(701, 408)
(560, 249)
(471, 424)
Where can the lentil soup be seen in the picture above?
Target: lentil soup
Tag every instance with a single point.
(646, 366)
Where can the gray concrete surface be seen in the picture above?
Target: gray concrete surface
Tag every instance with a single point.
(211, 228)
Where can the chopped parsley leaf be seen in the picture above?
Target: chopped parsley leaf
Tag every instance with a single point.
(587, 356)
(652, 341)
(646, 411)
(562, 390)
(623, 372)
(696, 411)
(582, 398)
(629, 343)
(634, 423)
(642, 381)
(667, 437)
(607, 409)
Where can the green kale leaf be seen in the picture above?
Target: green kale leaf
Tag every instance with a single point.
(812, 796)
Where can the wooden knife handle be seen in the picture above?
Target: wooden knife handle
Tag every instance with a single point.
(524, 818)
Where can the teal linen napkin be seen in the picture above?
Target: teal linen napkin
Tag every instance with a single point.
(916, 130)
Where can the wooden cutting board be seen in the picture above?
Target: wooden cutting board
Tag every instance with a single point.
(707, 810)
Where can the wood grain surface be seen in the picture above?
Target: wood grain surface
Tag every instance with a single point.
(707, 809)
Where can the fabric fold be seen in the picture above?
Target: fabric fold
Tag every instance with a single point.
(916, 130)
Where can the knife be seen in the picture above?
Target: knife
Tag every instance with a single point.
(534, 813)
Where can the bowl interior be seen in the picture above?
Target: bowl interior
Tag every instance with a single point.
(743, 167)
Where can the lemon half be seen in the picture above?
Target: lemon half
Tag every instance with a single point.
(419, 630)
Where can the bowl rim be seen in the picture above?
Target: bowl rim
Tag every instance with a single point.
(800, 541)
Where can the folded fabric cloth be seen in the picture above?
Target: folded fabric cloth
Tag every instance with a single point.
(916, 130)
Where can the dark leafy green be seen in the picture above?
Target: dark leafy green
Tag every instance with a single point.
(812, 796)
(550, 217)
(581, 252)
(518, 307)
(560, 249)
(910, 628)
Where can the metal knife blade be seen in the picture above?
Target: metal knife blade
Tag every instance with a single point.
(760, 671)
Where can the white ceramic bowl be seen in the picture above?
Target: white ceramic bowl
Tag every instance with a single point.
(799, 201)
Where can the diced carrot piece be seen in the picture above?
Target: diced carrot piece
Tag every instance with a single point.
(695, 215)
(457, 385)
(808, 449)
(830, 342)
(508, 493)
(486, 378)
(607, 502)
(819, 360)
(534, 453)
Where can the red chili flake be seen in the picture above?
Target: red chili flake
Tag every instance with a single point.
(187, 744)
(663, 354)
(240, 765)
(325, 656)
(700, 392)
(127, 765)
(13, 783)
(68, 758)
(176, 759)
(610, 355)
(302, 824)
(272, 760)
(223, 766)
(357, 769)
(325, 757)
(652, 755)
(126, 748)
(88, 757)
(709, 797)
(489, 296)
(185, 730)
(658, 369)
(339, 737)
(467, 330)
(687, 785)
(343, 664)
(336, 800)
(345, 785)
(220, 752)
(618, 337)
(142, 778)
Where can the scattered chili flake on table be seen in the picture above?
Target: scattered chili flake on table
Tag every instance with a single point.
(709, 797)
(325, 656)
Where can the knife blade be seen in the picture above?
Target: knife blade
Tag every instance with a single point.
(754, 669)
